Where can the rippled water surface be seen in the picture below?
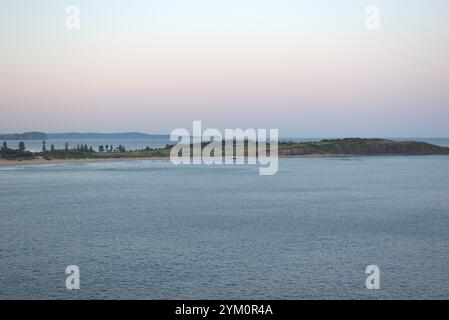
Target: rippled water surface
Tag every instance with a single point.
(149, 229)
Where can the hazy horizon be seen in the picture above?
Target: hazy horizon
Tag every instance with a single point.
(281, 136)
(307, 68)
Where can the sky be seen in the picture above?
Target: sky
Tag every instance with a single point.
(309, 68)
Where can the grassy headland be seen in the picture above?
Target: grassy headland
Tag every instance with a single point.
(360, 147)
(335, 147)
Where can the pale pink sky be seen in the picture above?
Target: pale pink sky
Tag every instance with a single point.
(308, 68)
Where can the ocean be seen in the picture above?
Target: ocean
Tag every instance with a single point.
(153, 230)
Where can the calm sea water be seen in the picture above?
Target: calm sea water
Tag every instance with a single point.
(149, 229)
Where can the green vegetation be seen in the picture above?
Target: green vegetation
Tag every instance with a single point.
(11, 154)
(21, 146)
(357, 146)
(336, 147)
(104, 152)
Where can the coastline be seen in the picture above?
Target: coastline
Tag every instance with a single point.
(40, 161)
(336, 148)
(15, 163)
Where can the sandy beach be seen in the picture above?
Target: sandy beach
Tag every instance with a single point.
(40, 161)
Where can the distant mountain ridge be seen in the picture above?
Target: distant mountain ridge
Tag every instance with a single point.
(94, 135)
(79, 136)
(24, 136)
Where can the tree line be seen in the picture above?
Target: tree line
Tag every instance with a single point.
(80, 148)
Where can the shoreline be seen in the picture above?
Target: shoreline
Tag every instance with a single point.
(15, 163)
(40, 161)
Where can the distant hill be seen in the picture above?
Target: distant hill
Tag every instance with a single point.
(362, 147)
(88, 135)
(79, 136)
(24, 136)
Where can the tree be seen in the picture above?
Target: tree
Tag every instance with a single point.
(52, 148)
(4, 149)
(66, 147)
(44, 148)
(21, 146)
(107, 148)
(101, 148)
